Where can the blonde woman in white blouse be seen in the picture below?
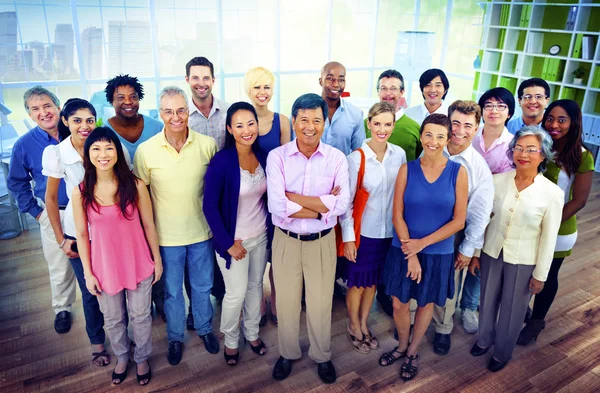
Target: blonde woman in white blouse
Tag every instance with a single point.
(365, 264)
(519, 244)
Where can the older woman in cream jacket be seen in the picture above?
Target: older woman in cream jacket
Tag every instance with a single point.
(519, 244)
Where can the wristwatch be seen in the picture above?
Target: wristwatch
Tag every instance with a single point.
(319, 216)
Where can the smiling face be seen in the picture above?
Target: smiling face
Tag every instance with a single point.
(381, 126)
(43, 112)
(533, 102)
(390, 90)
(81, 124)
(174, 113)
(201, 82)
(308, 127)
(495, 112)
(260, 95)
(464, 128)
(526, 155)
(333, 82)
(433, 92)
(434, 138)
(126, 101)
(244, 127)
(557, 123)
(103, 155)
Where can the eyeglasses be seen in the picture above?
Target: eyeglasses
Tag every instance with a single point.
(537, 97)
(171, 112)
(498, 107)
(520, 150)
(385, 89)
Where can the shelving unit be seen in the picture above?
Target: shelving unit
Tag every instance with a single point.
(515, 44)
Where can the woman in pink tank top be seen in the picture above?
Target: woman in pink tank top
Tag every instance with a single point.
(118, 246)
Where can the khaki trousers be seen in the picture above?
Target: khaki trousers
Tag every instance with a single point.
(314, 261)
(62, 277)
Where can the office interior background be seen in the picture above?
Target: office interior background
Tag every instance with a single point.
(74, 46)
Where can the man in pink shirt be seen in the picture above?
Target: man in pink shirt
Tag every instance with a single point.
(307, 186)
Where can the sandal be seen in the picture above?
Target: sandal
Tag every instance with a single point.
(119, 377)
(371, 341)
(359, 345)
(147, 376)
(258, 349)
(231, 360)
(98, 355)
(408, 368)
(389, 358)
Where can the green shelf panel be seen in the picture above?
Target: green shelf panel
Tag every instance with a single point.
(561, 39)
(521, 40)
(555, 17)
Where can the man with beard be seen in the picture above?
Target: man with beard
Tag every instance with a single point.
(534, 96)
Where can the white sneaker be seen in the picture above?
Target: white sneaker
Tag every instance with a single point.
(470, 321)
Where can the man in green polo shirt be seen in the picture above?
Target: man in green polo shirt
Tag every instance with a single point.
(390, 87)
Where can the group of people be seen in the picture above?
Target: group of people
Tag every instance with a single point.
(418, 207)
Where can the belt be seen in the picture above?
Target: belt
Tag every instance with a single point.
(306, 238)
(62, 207)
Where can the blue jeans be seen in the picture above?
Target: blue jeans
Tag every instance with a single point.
(198, 259)
(471, 292)
(94, 319)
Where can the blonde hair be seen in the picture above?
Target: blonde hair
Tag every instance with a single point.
(381, 107)
(258, 76)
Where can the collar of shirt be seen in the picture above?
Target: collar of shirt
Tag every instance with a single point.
(369, 153)
(191, 137)
(443, 109)
(292, 148)
(399, 114)
(341, 109)
(68, 153)
(40, 133)
(505, 137)
(216, 106)
(466, 155)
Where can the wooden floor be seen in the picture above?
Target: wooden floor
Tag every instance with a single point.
(566, 357)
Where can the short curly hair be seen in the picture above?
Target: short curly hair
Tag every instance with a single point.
(123, 80)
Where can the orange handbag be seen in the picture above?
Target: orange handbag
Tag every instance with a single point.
(360, 201)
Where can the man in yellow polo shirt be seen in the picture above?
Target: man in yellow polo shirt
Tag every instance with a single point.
(173, 163)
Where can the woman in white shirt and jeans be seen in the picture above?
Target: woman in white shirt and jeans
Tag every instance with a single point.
(365, 264)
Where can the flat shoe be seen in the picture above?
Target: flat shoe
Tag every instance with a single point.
(62, 322)
(476, 350)
(282, 369)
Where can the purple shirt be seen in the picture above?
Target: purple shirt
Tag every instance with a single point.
(288, 170)
(495, 156)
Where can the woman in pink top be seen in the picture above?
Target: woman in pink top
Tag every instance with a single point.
(493, 138)
(112, 207)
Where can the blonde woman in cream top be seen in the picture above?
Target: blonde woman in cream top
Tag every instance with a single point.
(519, 244)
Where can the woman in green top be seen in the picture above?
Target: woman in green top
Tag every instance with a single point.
(572, 170)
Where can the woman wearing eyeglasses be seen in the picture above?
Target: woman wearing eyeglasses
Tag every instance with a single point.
(519, 244)
(572, 170)
(493, 138)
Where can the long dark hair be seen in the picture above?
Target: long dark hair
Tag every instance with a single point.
(71, 106)
(569, 158)
(233, 108)
(126, 182)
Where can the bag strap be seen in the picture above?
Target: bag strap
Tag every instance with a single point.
(361, 170)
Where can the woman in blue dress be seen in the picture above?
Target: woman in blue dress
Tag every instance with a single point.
(430, 206)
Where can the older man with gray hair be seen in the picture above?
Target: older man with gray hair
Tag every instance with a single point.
(173, 164)
(43, 108)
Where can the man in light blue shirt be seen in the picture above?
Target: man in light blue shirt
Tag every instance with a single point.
(344, 127)
(533, 96)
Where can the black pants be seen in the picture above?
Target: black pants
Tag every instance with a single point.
(544, 299)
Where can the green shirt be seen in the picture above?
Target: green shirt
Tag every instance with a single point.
(406, 135)
(567, 233)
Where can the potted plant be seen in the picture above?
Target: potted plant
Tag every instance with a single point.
(578, 74)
